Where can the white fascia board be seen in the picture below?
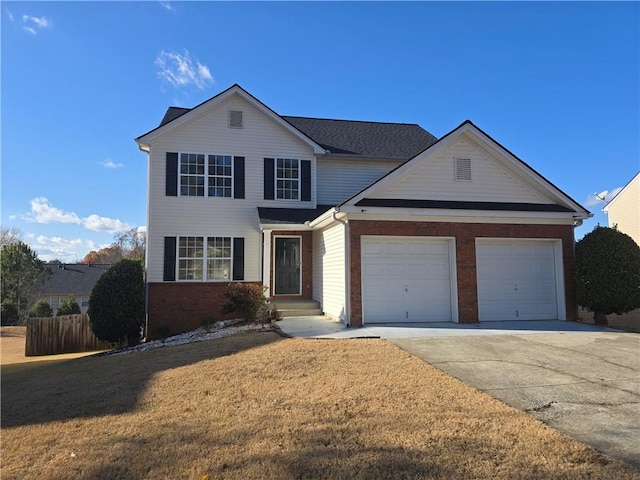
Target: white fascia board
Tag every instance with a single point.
(283, 226)
(325, 219)
(527, 171)
(425, 215)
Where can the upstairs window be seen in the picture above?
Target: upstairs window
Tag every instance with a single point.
(287, 179)
(220, 176)
(192, 175)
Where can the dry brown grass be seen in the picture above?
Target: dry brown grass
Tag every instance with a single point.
(258, 406)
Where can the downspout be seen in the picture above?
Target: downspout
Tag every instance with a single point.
(347, 265)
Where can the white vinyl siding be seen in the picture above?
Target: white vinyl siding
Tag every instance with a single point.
(329, 271)
(432, 179)
(624, 211)
(339, 179)
(175, 216)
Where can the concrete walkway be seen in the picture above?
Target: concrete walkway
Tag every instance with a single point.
(580, 379)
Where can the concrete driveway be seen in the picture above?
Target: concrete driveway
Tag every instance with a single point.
(581, 379)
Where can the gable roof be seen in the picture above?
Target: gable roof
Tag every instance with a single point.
(626, 187)
(72, 278)
(176, 116)
(570, 205)
(400, 141)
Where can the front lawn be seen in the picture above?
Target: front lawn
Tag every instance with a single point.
(259, 406)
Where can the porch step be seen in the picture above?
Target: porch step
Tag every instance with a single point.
(297, 308)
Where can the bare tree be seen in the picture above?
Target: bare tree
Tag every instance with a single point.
(9, 236)
(132, 243)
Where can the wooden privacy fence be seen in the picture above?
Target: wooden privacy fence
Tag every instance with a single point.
(66, 334)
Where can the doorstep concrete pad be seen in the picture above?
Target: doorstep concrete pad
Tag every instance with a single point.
(584, 384)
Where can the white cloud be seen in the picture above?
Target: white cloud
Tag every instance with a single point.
(12, 217)
(43, 212)
(104, 224)
(601, 198)
(180, 71)
(9, 14)
(167, 6)
(111, 164)
(66, 250)
(33, 24)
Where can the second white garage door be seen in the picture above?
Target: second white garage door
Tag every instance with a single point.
(517, 280)
(406, 279)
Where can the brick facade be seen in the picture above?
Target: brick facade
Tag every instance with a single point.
(465, 235)
(180, 307)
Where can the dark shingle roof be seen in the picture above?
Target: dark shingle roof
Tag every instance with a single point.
(290, 215)
(172, 114)
(466, 205)
(366, 139)
(73, 278)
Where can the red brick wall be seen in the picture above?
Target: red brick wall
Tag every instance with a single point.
(307, 262)
(465, 235)
(180, 306)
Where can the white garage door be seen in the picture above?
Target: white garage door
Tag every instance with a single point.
(405, 279)
(516, 280)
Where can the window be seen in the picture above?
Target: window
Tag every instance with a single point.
(462, 169)
(287, 178)
(220, 177)
(84, 301)
(191, 258)
(218, 258)
(192, 175)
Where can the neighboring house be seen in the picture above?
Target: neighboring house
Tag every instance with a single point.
(624, 209)
(71, 279)
(378, 222)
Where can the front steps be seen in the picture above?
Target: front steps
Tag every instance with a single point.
(297, 308)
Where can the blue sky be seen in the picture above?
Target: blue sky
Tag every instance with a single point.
(558, 84)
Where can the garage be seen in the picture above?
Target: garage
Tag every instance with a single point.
(518, 279)
(407, 279)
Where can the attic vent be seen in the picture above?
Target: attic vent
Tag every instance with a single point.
(235, 118)
(462, 169)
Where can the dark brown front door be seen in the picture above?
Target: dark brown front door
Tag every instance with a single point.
(287, 266)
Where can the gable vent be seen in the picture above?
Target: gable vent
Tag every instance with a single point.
(235, 118)
(462, 169)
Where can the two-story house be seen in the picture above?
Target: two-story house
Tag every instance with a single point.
(377, 222)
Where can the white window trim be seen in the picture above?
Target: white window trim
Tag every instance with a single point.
(298, 178)
(206, 174)
(204, 260)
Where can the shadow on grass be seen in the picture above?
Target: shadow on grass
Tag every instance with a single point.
(41, 392)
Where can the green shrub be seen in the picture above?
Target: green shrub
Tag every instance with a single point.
(249, 302)
(206, 321)
(607, 273)
(41, 309)
(116, 305)
(68, 306)
(9, 314)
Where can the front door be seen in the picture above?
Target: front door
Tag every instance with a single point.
(287, 266)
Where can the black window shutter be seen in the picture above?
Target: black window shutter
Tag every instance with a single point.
(172, 175)
(169, 259)
(238, 177)
(305, 180)
(269, 180)
(238, 258)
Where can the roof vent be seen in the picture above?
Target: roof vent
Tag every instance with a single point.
(235, 118)
(462, 169)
